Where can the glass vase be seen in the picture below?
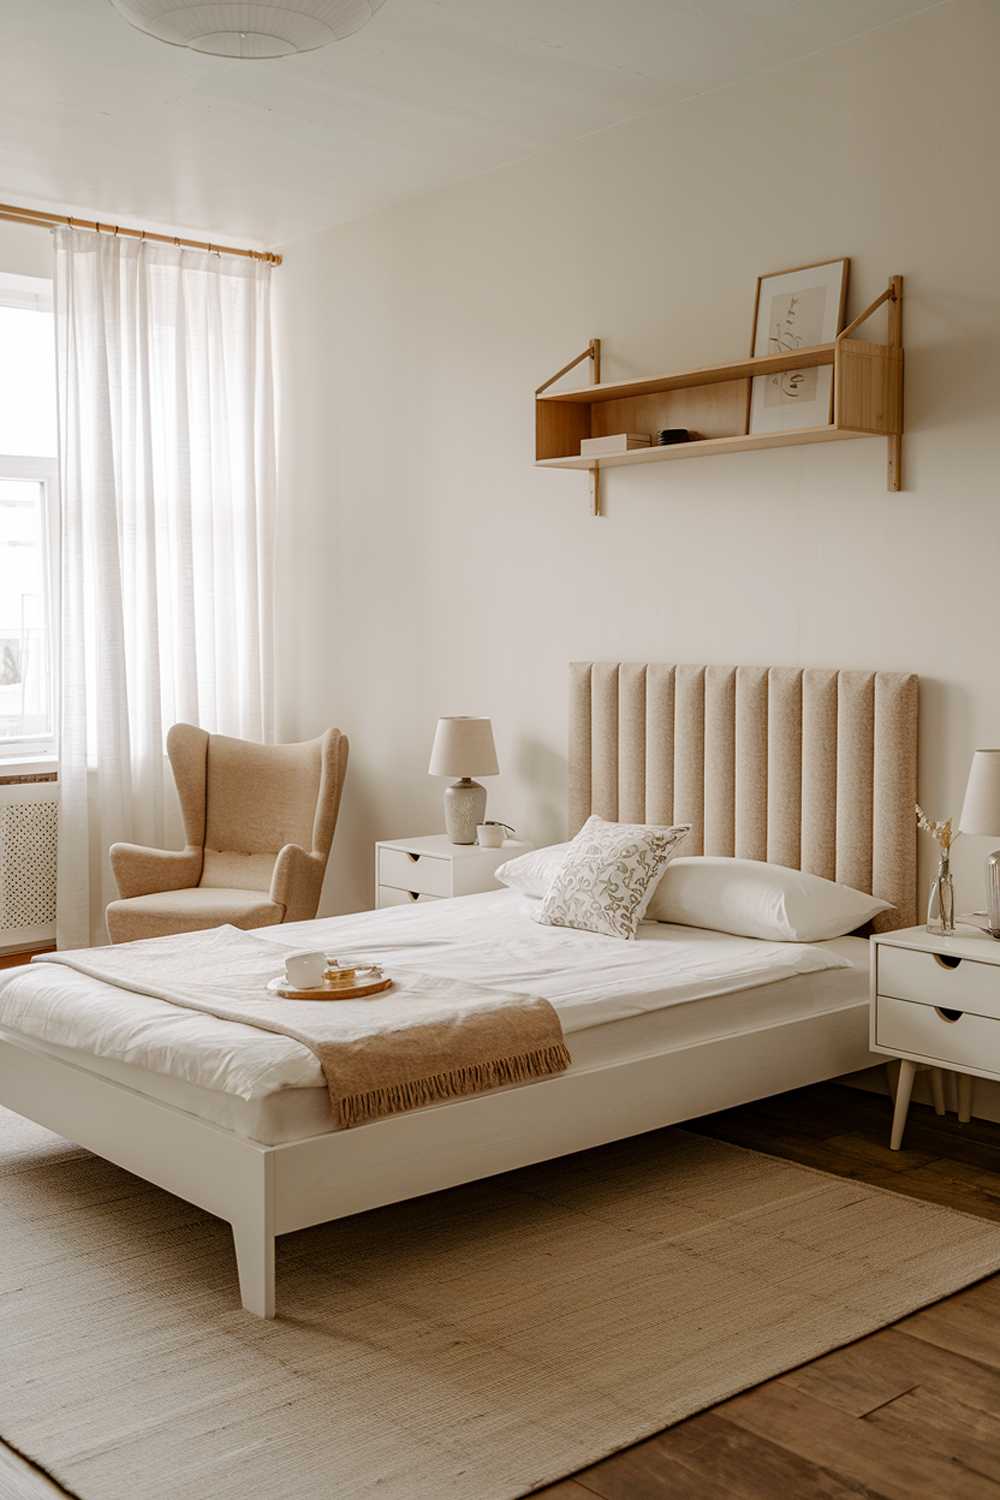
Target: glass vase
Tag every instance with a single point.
(941, 906)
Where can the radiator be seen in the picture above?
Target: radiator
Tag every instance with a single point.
(28, 831)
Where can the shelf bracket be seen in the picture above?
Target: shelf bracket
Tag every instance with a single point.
(593, 353)
(893, 294)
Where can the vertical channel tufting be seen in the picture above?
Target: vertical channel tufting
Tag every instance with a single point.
(689, 754)
(659, 744)
(632, 743)
(814, 769)
(751, 762)
(819, 772)
(894, 854)
(855, 778)
(580, 748)
(784, 766)
(604, 739)
(720, 760)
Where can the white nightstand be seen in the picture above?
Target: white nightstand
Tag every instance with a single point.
(935, 1003)
(427, 869)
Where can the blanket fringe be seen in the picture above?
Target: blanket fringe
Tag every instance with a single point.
(540, 1062)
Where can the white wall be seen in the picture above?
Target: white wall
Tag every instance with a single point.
(25, 250)
(428, 568)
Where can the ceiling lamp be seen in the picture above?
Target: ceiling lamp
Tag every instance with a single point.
(245, 28)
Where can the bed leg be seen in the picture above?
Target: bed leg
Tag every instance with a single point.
(255, 1264)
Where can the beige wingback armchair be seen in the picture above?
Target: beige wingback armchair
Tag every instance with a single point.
(259, 822)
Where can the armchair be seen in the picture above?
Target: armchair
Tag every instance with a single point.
(258, 821)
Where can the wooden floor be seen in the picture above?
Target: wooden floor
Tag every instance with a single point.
(910, 1413)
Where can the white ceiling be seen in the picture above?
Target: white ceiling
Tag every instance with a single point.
(98, 118)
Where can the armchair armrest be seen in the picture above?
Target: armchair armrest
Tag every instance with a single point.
(296, 882)
(144, 872)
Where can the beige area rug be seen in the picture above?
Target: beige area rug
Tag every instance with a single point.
(473, 1344)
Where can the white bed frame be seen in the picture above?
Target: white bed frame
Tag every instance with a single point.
(264, 1191)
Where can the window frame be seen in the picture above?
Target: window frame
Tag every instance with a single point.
(43, 471)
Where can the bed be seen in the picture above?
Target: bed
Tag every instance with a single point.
(814, 769)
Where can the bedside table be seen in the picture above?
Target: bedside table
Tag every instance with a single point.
(935, 1003)
(427, 869)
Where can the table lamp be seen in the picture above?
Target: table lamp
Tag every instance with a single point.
(981, 815)
(463, 747)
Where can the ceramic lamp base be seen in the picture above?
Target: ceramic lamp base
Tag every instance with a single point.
(464, 809)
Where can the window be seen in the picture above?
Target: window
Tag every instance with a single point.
(28, 495)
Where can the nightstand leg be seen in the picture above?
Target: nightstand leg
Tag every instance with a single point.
(904, 1088)
(892, 1077)
(937, 1090)
(964, 1098)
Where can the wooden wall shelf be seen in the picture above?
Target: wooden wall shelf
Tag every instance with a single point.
(714, 401)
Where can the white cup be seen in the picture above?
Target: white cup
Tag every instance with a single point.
(490, 835)
(304, 971)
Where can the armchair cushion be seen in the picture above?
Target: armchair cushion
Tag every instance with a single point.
(164, 912)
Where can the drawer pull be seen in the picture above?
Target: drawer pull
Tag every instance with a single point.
(414, 857)
(413, 895)
(947, 960)
(948, 1015)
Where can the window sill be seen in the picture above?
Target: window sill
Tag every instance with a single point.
(16, 767)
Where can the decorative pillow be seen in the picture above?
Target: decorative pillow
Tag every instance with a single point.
(753, 899)
(532, 873)
(607, 876)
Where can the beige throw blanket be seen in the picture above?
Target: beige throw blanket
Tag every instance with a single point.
(424, 1040)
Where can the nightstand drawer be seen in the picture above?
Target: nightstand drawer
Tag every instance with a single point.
(967, 1041)
(422, 873)
(927, 979)
(388, 895)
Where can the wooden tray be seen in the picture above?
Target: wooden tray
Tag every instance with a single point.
(285, 991)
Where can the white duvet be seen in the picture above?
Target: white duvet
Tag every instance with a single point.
(490, 940)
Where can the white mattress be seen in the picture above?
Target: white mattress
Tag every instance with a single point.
(672, 988)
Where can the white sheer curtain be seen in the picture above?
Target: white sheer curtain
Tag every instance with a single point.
(167, 476)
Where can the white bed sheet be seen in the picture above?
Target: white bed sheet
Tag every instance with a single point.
(594, 982)
(291, 1114)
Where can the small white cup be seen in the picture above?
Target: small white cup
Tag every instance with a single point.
(304, 971)
(490, 835)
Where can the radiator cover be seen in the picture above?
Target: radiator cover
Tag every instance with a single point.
(28, 842)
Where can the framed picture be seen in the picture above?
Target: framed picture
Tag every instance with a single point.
(795, 309)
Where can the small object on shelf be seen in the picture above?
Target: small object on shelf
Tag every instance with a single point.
(941, 906)
(463, 747)
(490, 835)
(670, 435)
(981, 816)
(615, 442)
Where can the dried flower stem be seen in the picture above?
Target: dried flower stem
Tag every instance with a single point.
(943, 833)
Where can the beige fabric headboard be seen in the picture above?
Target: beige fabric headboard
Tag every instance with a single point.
(812, 768)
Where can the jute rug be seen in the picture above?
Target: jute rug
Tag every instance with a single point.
(473, 1344)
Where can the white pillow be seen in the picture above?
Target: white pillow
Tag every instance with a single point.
(753, 899)
(532, 873)
(607, 876)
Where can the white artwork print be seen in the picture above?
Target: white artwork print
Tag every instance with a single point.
(796, 310)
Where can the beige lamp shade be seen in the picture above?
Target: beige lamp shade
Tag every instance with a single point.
(463, 746)
(981, 808)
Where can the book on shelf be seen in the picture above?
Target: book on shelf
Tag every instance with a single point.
(615, 442)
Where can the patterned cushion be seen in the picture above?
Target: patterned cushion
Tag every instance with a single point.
(608, 876)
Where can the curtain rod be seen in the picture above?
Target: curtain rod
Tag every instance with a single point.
(39, 217)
